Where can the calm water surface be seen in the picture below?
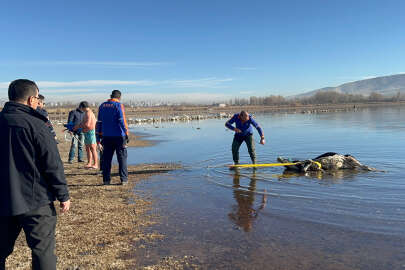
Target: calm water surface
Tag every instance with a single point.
(264, 219)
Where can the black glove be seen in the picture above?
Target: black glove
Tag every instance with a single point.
(126, 139)
(99, 138)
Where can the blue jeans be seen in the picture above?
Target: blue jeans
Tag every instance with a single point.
(77, 142)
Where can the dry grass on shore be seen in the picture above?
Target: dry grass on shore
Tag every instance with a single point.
(104, 224)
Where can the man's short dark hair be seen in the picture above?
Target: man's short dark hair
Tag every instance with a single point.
(116, 94)
(41, 97)
(21, 90)
(244, 113)
(84, 105)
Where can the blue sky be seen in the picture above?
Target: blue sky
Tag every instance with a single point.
(197, 50)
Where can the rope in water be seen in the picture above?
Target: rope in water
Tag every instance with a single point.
(263, 165)
(270, 165)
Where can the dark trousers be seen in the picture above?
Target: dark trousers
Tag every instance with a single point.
(117, 145)
(101, 158)
(237, 141)
(39, 227)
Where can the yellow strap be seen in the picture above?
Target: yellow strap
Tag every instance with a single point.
(262, 165)
(318, 163)
(271, 165)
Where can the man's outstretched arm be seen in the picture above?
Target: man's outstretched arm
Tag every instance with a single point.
(259, 130)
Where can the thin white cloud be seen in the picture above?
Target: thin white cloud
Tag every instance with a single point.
(93, 89)
(93, 83)
(205, 82)
(201, 83)
(90, 63)
(245, 68)
(90, 83)
(152, 97)
(67, 91)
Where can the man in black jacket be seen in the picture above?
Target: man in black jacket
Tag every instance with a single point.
(74, 119)
(41, 110)
(32, 177)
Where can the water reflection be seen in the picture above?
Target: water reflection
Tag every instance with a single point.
(245, 212)
(326, 177)
(366, 201)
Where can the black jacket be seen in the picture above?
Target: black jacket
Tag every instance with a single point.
(75, 117)
(48, 123)
(32, 172)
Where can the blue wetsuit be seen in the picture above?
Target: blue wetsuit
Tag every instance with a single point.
(246, 135)
(246, 128)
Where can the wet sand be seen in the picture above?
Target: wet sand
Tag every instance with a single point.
(104, 222)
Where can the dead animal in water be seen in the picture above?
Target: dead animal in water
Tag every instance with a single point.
(326, 162)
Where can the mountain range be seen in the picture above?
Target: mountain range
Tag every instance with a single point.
(385, 85)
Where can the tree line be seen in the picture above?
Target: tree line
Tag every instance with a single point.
(327, 97)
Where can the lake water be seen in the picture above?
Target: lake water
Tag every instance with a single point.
(264, 219)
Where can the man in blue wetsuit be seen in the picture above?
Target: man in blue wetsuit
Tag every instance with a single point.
(244, 133)
(112, 133)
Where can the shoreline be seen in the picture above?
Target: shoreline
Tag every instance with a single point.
(136, 115)
(227, 113)
(104, 222)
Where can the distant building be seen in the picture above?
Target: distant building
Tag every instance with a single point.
(220, 105)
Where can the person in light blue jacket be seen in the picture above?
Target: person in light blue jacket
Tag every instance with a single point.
(244, 133)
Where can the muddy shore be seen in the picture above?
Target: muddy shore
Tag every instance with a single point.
(105, 223)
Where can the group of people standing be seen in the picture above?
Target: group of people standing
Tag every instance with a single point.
(82, 124)
(32, 170)
(108, 134)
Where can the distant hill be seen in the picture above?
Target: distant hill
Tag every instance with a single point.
(386, 85)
